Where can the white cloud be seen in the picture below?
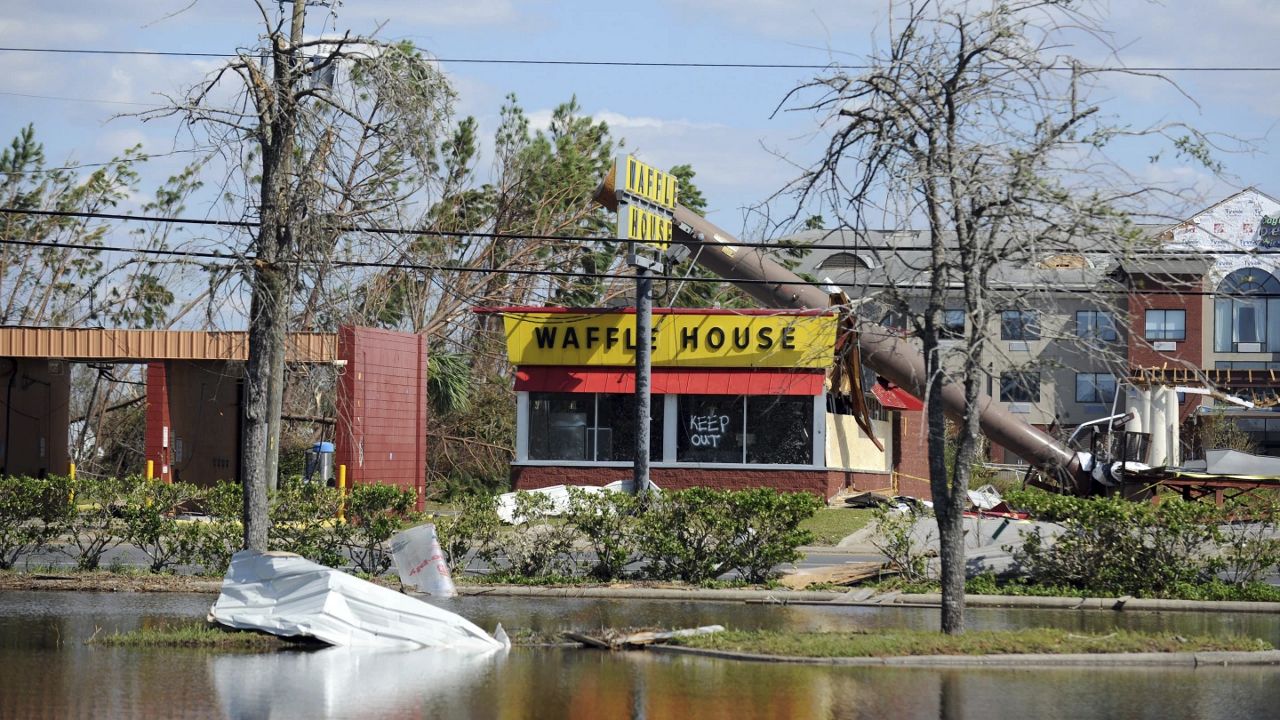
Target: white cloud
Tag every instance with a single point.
(815, 23)
(618, 121)
(437, 13)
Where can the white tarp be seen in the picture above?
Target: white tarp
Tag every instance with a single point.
(420, 561)
(288, 595)
(559, 494)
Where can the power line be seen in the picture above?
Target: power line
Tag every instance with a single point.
(846, 247)
(461, 60)
(96, 51)
(80, 166)
(654, 64)
(248, 259)
(79, 100)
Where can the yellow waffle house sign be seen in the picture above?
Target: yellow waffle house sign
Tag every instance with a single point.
(685, 339)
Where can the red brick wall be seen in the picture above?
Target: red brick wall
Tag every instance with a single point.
(911, 454)
(822, 483)
(1150, 294)
(382, 408)
(158, 422)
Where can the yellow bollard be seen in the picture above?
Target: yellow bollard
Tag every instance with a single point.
(72, 473)
(151, 469)
(342, 493)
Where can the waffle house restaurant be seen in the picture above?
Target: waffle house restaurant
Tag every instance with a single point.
(739, 399)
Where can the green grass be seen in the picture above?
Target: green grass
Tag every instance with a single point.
(1211, 591)
(907, 642)
(831, 525)
(191, 635)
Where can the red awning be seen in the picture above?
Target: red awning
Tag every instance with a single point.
(669, 381)
(895, 398)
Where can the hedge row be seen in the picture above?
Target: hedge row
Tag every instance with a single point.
(181, 525)
(1110, 546)
(694, 535)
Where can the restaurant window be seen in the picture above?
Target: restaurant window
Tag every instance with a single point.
(1019, 325)
(589, 427)
(779, 430)
(758, 430)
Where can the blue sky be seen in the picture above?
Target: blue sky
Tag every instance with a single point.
(721, 121)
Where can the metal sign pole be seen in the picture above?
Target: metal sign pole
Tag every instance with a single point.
(646, 203)
(644, 334)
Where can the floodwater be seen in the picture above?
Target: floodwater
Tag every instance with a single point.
(49, 671)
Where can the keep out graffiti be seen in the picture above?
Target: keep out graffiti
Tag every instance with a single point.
(706, 431)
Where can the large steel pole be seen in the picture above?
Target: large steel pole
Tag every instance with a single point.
(890, 355)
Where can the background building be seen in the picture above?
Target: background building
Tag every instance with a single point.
(1194, 304)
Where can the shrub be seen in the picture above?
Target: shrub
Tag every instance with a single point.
(215, 541)
(31, 511)
(95, 526)
(606, 521)
(303, 517)
(470, 533)
(374, 513)
(764, 530)
(1114, 546)
(897, 539)
(685, 535)
(539, 545)
(148, 515)
(1250, 547)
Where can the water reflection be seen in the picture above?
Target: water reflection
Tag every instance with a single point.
(50, 672)
(346, 682)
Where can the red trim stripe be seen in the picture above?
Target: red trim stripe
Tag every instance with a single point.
(670, 381)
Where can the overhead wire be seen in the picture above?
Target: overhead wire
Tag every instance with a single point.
(247, 259)
(65, 98)
(778, 245)
(678, 64)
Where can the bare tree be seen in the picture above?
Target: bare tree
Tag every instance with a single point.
(976, 122)
(319, 135)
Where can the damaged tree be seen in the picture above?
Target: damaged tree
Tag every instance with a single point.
(323, 134)
(975, 124)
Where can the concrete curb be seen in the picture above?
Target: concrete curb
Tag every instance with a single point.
(816, 597)
(1120, 603)
(695, 594)
(1180, 659)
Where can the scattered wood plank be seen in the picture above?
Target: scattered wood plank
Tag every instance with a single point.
(844, 574)
(620, 640)
(588, 640)
(650, 638)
